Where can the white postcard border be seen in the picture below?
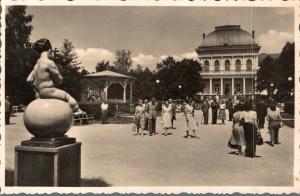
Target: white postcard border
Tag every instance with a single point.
(173, 189)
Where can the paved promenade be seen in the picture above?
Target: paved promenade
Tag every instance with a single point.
(121, 159)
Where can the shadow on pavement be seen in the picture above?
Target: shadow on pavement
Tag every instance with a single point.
(84, 182)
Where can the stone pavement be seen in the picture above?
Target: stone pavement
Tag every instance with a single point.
(111, 151)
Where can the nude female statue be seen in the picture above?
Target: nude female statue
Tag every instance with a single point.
(45, 76)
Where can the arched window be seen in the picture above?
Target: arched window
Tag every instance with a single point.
(238, 65)
(206, 65)
(217, 65)
(227, 65)
(249, 65)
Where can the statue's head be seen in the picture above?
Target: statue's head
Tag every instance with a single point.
(42, 45)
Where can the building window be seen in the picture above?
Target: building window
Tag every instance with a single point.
(249, 64)
(227, 65)
(238, 65)
(206, 65)
(217, 65)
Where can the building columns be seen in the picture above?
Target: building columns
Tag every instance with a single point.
(221, 86)
(244, 85)
(130, 98)
(210, 86)
(232, 86)
(124, 92)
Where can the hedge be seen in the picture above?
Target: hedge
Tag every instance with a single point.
(289, 107)
(95, 108)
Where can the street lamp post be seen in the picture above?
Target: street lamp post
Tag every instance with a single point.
(271, 90)
(290, 79)
(157, 88)
(179, 87)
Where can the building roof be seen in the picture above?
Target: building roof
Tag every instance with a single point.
(109, 74)
(228, 35)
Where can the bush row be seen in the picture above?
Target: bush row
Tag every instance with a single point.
(289, 107)
(95, 108)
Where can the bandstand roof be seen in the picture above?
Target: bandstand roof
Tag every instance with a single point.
(109, 74)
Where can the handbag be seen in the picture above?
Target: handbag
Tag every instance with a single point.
(134, 127)
(260, 140)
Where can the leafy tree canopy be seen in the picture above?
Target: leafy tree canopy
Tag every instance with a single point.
(277, 72)
(123, 61)
(67, 63)
(19, 56)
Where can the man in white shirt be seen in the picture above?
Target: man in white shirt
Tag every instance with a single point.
(104, 109)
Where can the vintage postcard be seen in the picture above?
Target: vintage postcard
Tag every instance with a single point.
(149, 96)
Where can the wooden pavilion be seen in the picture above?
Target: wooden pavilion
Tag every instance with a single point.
(105, 79)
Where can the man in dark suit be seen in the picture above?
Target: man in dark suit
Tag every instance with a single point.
(239, 106)
(230, 109)
(261, 109)
(151, 110)
(205, 108)
(214, 110)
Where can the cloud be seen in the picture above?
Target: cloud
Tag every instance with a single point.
(145, 60)
(190, 55)
(91, 56)
(273, 41)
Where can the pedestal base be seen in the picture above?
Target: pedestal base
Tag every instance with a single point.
(48, 142)
(47, 166)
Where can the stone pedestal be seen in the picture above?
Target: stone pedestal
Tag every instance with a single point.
(48, 162)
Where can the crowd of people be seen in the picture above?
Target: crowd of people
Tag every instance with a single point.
(248, 118)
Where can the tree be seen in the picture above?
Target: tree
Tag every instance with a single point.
(19, 56)
(265, 73)
(104, 65)
(277, 72)
(144, 87)
(68, 66)
(123, 60)
(178, 79)
(286, 69)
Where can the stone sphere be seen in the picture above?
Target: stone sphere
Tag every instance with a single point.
(48, 118)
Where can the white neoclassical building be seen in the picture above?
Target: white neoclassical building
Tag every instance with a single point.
(229, 56)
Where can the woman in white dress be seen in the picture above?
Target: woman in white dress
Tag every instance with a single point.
(191, 124)
(166, 117)
(237, 139)
(140, 118)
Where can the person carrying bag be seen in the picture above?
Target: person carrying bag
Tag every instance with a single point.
(275, 123)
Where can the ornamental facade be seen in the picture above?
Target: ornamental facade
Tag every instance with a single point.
(229, 56)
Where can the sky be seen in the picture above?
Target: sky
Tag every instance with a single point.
(153, 33)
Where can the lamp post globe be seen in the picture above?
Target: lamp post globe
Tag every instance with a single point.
(290, 78)
(157, 81)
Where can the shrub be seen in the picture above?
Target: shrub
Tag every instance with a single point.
(95, 108)
(289, 107)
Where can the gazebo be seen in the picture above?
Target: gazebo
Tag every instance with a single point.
(109, 77)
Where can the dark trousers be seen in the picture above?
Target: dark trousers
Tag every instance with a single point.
(274, 130)
(214, 116)
(152, 125)
(230, 115)
(7, 117)
(104, 116)
(261, 122)
(251, 139)
(172, 120)
(205, 115)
